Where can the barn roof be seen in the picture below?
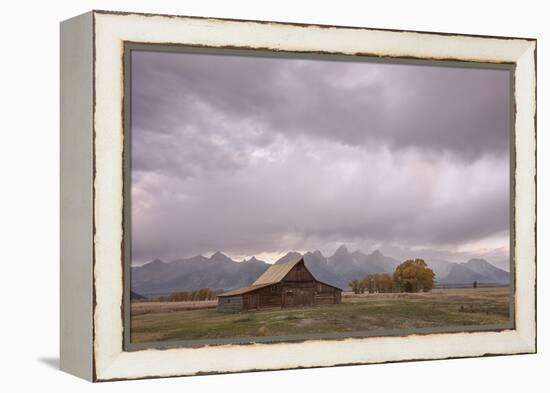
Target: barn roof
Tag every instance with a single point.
(271, 276)
(241, 291)
(277, 272)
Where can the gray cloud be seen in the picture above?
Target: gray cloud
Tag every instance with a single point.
(250, 155)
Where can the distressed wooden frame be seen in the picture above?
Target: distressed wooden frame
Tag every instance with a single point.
(92, 189)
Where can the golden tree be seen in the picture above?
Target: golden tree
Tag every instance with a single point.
(413, 276)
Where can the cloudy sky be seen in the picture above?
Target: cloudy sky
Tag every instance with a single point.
(259, 156)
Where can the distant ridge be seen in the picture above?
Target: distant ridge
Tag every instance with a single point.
(221, 272)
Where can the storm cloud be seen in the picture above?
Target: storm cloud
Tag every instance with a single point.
(260, 155)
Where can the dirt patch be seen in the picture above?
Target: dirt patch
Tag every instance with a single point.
(305, 322)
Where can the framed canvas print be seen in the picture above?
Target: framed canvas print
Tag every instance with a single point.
(246, 195)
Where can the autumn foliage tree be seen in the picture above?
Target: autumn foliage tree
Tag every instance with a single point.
(413, 276)
(378, 283)
(357, 286)
(373, 283)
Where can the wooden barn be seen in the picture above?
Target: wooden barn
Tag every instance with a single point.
(283, 285)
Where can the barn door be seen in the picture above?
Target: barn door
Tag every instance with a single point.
(297, 297)
(288, 298)
(304, 297)
(252, 301)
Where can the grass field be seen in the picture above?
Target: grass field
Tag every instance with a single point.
(442, 307)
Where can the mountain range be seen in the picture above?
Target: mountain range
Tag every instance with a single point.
(221, 272)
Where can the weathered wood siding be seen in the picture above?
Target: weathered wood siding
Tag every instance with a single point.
(270, 296)
(299, 273)
(230, 303)
(337, 297)
(295, 294)
(325, 294)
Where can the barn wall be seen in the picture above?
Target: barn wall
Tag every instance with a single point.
(270, 296)
(338, 297)
(230, 303)
(284, 294)
(299, 273)
(296, 294)
(325, 294)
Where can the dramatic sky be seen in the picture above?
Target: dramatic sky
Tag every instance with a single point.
(259, 156)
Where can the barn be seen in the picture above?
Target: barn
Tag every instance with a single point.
(289, 284)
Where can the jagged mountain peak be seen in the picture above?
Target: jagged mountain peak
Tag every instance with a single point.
(376, 253)
(318, 254)
(219, 256)
(291, 255)
(341, 251)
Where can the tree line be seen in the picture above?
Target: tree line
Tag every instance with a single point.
(409, 276)
(373, 283)
(185, 296)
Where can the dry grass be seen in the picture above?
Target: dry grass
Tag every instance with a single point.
(447, 294)
(141, 308)
(440, 308)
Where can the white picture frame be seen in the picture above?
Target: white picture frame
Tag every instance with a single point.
(92, 194)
